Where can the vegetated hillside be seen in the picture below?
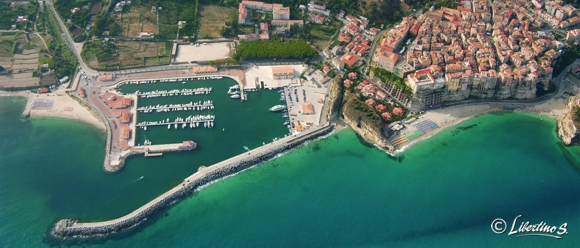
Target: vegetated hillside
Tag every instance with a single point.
(270, 49)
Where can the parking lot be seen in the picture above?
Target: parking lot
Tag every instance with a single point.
(203, 52)
(296, 97)
(257, 74)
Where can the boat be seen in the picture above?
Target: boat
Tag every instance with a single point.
(175, 125)
(286, 122)
(184, 125)
(197, 124)
(145, 128)
(235, 96)
(246, 148)
(285, 115)
(277, 108)
(237, 86)
(168, 126)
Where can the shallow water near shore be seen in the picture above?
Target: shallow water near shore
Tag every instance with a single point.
(335, 192)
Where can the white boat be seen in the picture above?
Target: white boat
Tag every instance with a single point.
(278, 108)
(237, 86)
(246, 148)
(197, 124)
(184, 125)
(235, 96)
(175, 125)
(211, 123)
(168, 126)
(145, 128)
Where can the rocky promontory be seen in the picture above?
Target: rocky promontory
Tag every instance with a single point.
(568, 124)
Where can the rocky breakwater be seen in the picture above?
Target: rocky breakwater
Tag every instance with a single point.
(72, 229)
(568, 124)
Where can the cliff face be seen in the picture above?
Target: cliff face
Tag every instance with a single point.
(567, 125)
(365, 130)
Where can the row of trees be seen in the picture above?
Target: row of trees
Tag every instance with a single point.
(65, 62)
(385, 76)
(270, 49)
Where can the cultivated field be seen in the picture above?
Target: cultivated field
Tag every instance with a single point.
(18, 80)
(130, 54)
(139, 19)
(28, 60)
(213, 18)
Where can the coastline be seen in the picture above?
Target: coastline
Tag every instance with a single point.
(451, 116)
(64, 106)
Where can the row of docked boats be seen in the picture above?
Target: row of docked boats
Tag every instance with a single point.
(177, 107)
(193, 121)
(175, 92)
(170, 80)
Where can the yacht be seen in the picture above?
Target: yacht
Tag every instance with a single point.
(286, 122)
(235, 96)
(168, 126)
(277, 108)
(184, 125)
(175, 125)
(246, 148)
(285, 115)
(145, 128)
(197, 124)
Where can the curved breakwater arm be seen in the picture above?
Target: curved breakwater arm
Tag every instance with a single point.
(67, 228)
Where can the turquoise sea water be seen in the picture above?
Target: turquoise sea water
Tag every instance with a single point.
(335, 192)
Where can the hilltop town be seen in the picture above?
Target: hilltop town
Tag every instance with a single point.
(381, 76)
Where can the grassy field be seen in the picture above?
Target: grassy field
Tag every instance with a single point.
(127, 54)
(321, 35)
(139, 19)
(6, 48)
(213, 18)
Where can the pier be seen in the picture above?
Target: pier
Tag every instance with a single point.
(67, 228)
(153, 151)
(177, 107)
(176, 92)
(193, 122)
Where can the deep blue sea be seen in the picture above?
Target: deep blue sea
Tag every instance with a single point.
(334, 192)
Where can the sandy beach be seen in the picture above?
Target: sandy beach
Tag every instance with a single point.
(449, 116)
(57, 104)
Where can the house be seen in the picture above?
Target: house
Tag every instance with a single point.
(264, 26)
(337, 63)
(42, 90)
(104, 78)
(316, 18)
(342, 37)
(125, 117)
(63, 80)
(203, 69)
(20, 19)
(318, 9)
(349, 59)
(125, 133)
(145, 35)
(282, 72)
(281, 13)
(307, 108)
(82, 92)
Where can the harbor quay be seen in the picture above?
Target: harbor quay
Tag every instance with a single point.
(69, 229)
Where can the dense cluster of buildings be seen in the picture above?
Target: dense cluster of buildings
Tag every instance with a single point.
(357, 38)
(480, 49)
(280, 14)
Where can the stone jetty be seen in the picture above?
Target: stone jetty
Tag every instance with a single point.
(72, 229)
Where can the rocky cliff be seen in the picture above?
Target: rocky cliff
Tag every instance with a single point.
(363, 127)
(567, 125)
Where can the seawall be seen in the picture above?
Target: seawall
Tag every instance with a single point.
(68, 228)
